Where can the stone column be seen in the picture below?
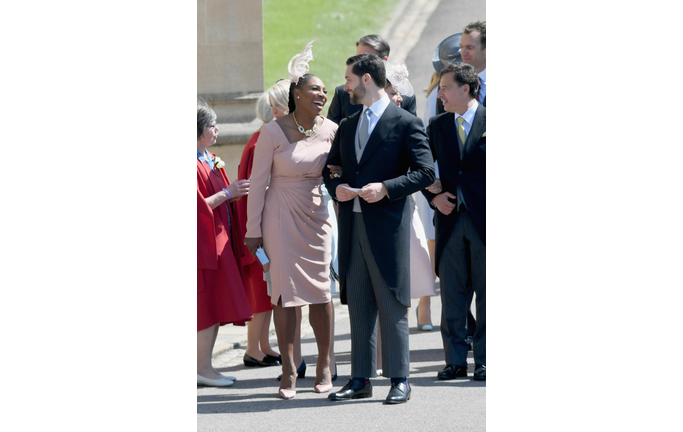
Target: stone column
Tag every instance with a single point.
(230, 70)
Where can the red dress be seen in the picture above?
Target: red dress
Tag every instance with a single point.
(221, 296)
(257, 290)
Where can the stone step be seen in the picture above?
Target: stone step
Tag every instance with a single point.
(237, 133)
(233, 107)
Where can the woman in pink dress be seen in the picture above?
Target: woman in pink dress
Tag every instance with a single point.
(273, 104)
(291, 222)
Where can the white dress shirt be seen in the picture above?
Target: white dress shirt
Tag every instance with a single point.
(468, 116)
(376, 111)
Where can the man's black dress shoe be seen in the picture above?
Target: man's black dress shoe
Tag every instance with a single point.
(452, 372)
(399, 393)
(250, 361)
(354, 389)
(479, 373)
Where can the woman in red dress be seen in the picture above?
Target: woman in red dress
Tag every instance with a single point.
(221, 296)
(271, 104)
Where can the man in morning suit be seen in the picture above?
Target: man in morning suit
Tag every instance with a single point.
(473, 50)
(376, 147)
(458, 141)
(341, 106)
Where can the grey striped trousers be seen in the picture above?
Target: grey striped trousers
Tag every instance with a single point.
(367, 295)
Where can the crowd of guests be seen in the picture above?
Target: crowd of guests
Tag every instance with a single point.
(366, 201)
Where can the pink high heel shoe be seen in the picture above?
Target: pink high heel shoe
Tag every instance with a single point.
(322, 388)
(287, 394)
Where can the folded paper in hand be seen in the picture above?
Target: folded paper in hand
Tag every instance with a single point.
(354, 190)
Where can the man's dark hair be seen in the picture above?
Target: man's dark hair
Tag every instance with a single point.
(377, 43)
(369, 64)
(479, 26)
(463, 73)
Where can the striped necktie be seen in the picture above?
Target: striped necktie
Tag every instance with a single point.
(480, 95)
(461, 132)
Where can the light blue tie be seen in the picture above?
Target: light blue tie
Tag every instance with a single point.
(363, 133)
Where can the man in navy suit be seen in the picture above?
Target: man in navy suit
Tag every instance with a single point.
(458, 142)
(341, 106)
(385, 157)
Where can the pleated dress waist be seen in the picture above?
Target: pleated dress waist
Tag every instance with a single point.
(304, 183)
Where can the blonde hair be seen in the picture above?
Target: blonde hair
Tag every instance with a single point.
(279, 95)
(263, 111)
(433, 83)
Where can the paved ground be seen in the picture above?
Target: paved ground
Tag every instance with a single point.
(252, 403)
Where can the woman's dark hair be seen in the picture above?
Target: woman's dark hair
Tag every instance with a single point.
(303, 80)
(205, 116)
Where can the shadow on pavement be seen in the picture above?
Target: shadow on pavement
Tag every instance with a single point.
(217, 404)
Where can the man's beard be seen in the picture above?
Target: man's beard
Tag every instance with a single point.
(358, 94)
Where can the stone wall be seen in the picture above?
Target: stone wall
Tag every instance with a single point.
(230, 71)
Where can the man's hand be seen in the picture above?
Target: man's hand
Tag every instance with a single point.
(253, 244)
(335, 171)
(443, 204)
(373, 192)
(435, 187)
(344, 194)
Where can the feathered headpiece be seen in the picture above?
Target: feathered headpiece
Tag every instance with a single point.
(298, 65)
(397, 75)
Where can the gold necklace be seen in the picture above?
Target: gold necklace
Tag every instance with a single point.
(307, 132)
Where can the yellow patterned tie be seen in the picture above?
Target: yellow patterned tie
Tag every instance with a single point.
(461, 130)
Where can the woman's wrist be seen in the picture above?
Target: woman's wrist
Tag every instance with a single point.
(227, 193)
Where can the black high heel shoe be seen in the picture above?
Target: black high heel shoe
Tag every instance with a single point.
(300, 372)
(270, 358)
(250, 361)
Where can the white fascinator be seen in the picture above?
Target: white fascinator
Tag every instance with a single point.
(298, 65)
(397, 75)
